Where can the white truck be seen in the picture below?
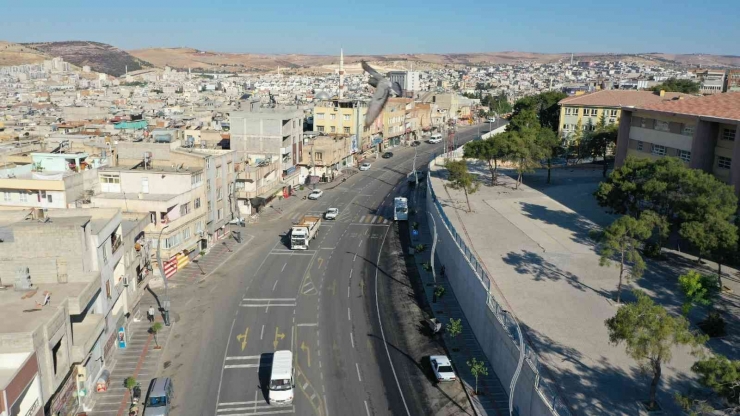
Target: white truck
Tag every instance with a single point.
(306, 229)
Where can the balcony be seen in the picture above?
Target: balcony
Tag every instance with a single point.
(84, 335)
(257, 171)
(260, 191)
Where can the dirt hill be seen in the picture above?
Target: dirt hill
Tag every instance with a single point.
(99, 56)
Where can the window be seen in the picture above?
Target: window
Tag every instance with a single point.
(661, 125)
(105, 254)
(220, 213)
(611, 113)
(218, 172)
(569, 111)
(318, 156)
(49, 198)
(639, 145)
(219, 193)
(333, 129)
(645, 122)
(565, 127)
(209, 206)
(106, 178)
(208, 163)
(196, 179)
(594, 111)
(724, 162)
(196, 203)
(319, 116)
(684, 155)
(6, 196)
(612, 120)
(658, 150)
(687, 130)
(186, 233)
(185, 208)
(145, 185)
(332, 116)
(320, 128)
(346, 117)
(728, 134)
(346, 129)
(208, 185)
(24, 196)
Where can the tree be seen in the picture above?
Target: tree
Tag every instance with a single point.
(698, 289)
(649, 333)
(477, 368)
(524, 151)
(454, 327)
(155, 328)
(482, 114)
(459, 178)
(685, 86)
(721, 375)
(544, 105)
(524, 120)
(599, 143)
(574, 142)
(491, 151)
(499, 104)
(549, 144)
(622, 239)
(130, 383)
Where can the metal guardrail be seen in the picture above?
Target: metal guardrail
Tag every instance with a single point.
(548, 393)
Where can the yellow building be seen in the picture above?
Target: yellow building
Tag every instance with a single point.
(586, 110)
(341, 117)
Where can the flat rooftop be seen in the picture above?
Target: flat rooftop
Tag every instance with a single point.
(153, 169)
(129, 196)
(22, 315)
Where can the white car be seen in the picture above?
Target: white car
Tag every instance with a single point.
(435, 140)
(442, 368)
(331, 213)
(365, 166)
(491, 120)
(315, 194)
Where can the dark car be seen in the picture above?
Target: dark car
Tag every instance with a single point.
(415, 143)
(387, 155)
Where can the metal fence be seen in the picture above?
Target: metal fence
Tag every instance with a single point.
(506, 319)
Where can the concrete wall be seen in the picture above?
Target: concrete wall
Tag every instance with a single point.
(472, 292)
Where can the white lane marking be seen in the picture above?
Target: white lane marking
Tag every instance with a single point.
(380, 322)
(274, 286)
(349, 314)
(367, 409)
(266, 305)
(309, 324)
(352, 338)
(350, 272)
(347, 291)
(232, 366)
(243, 357)
(355, 257)
(326, 406)
(359, 244)
(358, 372)
(283, 269)
(231, 331)
(372, 221)
(362, 219)
(262, 332)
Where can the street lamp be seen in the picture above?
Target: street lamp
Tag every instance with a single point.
(166, 301)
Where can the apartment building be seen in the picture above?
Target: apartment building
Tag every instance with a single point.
(344, 117)
(704, 132)
(75, 257)
(325, 156)
(269, 135)
(733, 80)
(711, 81)
(587, 109)
(394, 121)
(409, 80)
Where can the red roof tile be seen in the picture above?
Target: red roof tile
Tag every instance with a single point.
(620, 98)
(726, 106)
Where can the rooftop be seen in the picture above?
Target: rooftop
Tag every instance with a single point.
(23, 315)
(621, 98)
(725, 106)
(185, 170)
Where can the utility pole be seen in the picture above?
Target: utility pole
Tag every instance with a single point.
(166, 301)
(434, 244)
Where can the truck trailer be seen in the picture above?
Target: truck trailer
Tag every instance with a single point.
(305, 230)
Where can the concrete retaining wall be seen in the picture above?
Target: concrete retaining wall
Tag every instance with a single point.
(472, 292)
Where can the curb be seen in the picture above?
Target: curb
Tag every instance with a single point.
(226, 259)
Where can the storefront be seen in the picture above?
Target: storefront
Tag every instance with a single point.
(22, 393)
(65, 401)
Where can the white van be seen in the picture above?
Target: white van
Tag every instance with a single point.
(435, 138)
(282, 378)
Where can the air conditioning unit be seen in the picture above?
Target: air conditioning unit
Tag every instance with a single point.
(81, 374)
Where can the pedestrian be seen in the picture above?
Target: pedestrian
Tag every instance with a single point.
(150, 314)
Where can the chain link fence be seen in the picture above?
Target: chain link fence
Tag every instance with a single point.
(507, 320)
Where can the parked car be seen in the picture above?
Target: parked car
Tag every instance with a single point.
(331, 213)
(415, 143)
(387, 155)
(365, 166)
(491, 119)
(442, 368)
(159, 397)
(316, 194)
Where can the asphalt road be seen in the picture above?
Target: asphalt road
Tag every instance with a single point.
(325, 304)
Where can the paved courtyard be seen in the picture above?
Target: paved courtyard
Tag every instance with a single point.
(536, 246)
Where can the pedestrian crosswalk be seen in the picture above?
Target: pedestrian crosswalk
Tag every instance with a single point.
(373, 219)
(378, 218)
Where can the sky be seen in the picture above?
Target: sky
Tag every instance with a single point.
(383, 26)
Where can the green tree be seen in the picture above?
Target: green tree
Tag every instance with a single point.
(544, 105)
(524, 151)
(685, 86)
(721, 375)
(130, 383)
(698, 290)
(459, 178)
(574, 142)
(600, 143)
(491, 151)
(482, 113)
(550, 146)
(477, 368)
(154, 330)
(621, 241)
(454, 327)
(524, 120)
(499, 104)
(649, 333)
(659, 229)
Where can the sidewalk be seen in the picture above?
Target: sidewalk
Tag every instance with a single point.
(139, 360)
(218, 255)
(492, 398)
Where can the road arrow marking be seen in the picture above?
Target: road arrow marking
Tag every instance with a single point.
(278, 336)
(243, 338)
(305, 348)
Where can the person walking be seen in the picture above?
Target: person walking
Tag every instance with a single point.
(150, 314)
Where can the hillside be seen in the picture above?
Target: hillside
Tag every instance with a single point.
(16, 54)
(183, 58)
(99, 56)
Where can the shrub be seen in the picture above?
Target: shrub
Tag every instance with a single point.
(713, 325)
